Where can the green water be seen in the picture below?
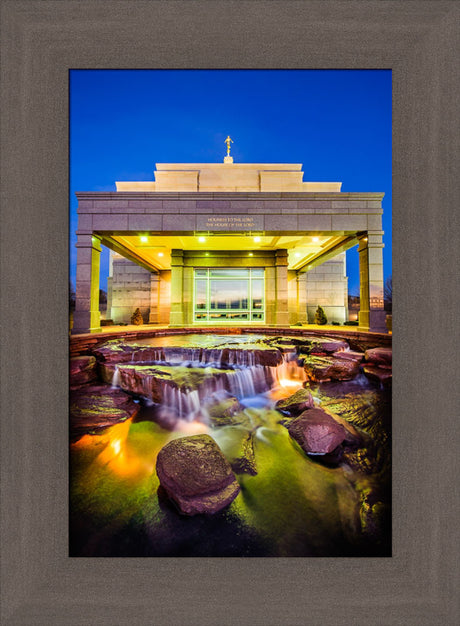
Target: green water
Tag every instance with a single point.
(293, 506)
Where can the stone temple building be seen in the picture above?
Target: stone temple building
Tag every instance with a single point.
(236, 244)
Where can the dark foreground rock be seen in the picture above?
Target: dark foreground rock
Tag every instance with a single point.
(95, 407)
(294, 405)
(82, 371)
(326, 368)
(196, 475)
(317, 432)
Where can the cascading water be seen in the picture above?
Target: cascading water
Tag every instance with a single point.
(290, 373)
(116, 378)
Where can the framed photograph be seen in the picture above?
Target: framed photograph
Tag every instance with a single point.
(41, 583)
(229, 395)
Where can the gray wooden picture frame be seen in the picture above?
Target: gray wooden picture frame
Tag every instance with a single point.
(41, 41)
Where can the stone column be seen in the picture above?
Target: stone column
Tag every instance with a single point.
(154, 298)
(302, 297)
(371, 313)
(282, 308)
(86, 318)
(176, 316)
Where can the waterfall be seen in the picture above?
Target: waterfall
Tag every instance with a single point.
(185, 403)
(289, 373)
(248, 381)
(116, 378)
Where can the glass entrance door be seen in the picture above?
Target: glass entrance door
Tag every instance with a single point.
(229, 295)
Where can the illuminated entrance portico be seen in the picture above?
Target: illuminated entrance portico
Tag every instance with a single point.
(238, 244)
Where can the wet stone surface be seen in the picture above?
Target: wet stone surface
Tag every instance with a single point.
(196, 475)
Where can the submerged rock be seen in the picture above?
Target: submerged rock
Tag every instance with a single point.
(82, 371)
(295, 404)
(196, 475)
(326, 368)
(317, 432)
(237, 445)
(96, 407)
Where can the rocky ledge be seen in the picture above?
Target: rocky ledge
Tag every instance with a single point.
(95, 407)
(326, 368)
(257, 353)
(196, 476)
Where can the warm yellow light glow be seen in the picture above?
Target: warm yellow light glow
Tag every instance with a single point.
(287, 382)
(251, 254)
(116, 445)
(298, 254)
(201, 239)
(144, 239)
(257, 239)
(315, 239)
(160, 254)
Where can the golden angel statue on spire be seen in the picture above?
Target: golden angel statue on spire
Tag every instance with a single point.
(228, 141)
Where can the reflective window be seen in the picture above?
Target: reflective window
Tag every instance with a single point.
(229, 294)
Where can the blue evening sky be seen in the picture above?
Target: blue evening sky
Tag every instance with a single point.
(337, 123)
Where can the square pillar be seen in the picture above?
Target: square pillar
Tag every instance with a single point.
(86, 318)
(154, 298)
(371, 313)
(281, 281)
(176, 316)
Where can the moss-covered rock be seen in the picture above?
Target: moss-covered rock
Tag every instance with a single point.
(295, 404)
(96, 407)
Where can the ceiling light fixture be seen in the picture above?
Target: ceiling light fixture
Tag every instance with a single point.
(144, 239)
(257, 239)
(201, 239)
(160, 254)
(315, 239)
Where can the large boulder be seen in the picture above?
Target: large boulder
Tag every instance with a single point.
(95, 407)
(317, 432)
(382, 357)
(300, 401)
(82, 371)
(196, 476)
(326, 368)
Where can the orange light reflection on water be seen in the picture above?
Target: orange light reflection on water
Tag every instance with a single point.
(131, 453)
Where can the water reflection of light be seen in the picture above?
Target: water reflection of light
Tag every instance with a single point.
(116, 445)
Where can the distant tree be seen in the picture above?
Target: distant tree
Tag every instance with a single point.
(102, 296)
(388, 293)
(136, 318)
(72, 295)
(320, 316)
